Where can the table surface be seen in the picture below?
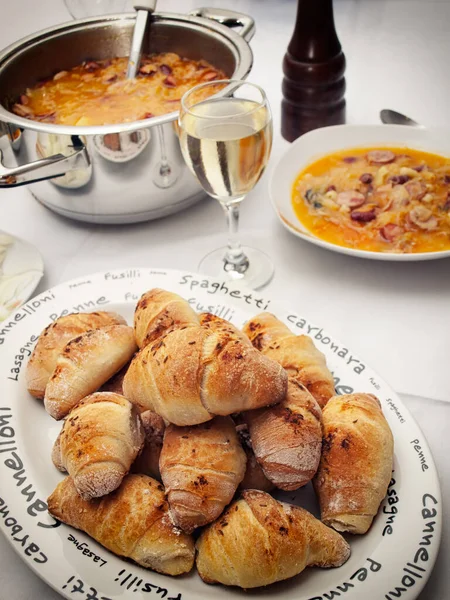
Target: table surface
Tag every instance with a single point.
(395, 315)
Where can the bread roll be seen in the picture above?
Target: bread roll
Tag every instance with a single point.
(147, 462)
(86, 363)
(258, 541)
(287, 438)
(164, 377)
(254, 477)
(189, 375)
(52, 341)
(356, 464)
(296, 353)
(98, 443)
(56, 454)
(201, 467)
(132, 521)
(158, 312)
(218, 325)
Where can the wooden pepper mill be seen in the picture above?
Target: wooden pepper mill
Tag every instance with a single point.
(313, 67)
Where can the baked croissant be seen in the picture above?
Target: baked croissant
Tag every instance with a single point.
(191, 374)
(147, 462)
(158, 312)
(254, 478)
(356, 463)
(133, 521)
(86, 363)
(258, 541)
(219, 325)
(287, 438)
(296, 353)
(201, 468)
(52, 341)
(56, 454)
(98, 443)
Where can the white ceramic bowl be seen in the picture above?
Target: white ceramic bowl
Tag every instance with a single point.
(311, 146)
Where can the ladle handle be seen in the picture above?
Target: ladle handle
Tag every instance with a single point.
(149, 5)
(143, 8)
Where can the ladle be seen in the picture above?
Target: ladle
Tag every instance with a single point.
(144, 8)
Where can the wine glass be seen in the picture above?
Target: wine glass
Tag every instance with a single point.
(225, 130)
(91, 8)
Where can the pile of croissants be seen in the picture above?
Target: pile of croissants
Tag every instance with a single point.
(176, 430)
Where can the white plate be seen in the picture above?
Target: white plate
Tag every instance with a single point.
(314, 144)
(398, 553)
(21, 269)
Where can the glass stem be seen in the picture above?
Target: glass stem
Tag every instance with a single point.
(235, 258)
(164, 164)
(166, 175)
(162, 146)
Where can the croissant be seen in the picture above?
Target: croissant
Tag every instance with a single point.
(296, 353)
(56, 454)
(218, 325)
(258, 541)
(189, 375)
(287, 438)
(201, 468)
(148, 460)
(98, 443)
(254, 478)
(159, 311)
(356, 464)
(132, 521)
(86, 363)
(52, 341)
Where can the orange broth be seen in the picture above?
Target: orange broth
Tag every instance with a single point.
(98, 92)
(402, 206)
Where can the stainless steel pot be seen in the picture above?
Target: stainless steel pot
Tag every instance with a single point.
(112, 173)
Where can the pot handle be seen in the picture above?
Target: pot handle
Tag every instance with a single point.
(47, 168)
(230, 18)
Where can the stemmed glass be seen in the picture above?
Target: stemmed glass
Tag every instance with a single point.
(226, 137)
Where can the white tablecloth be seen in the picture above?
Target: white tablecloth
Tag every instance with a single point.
(394, 315)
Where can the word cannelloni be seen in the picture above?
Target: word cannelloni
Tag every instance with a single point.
(8, 448)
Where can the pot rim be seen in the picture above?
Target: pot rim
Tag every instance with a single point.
(8, 54)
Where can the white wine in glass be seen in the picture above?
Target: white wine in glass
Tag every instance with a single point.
(226, 137)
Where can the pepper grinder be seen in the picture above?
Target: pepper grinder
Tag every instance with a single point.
(313, 66)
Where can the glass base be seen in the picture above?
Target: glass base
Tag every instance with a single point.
(165, 175)
(255, 274)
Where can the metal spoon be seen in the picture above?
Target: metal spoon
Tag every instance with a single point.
(392, 117)
(144, 8)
